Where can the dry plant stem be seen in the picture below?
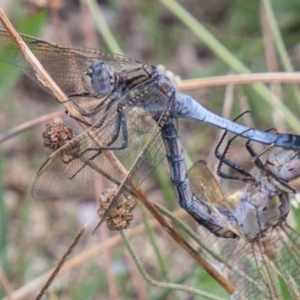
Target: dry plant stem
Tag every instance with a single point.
(240, 79)
(88, 31)
(59, 26)
(60, 264)
(49, 83)
(176, 220)
(244, 106)
(28, 125)
(270, 52)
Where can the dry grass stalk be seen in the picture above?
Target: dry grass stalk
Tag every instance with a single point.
(60, 264)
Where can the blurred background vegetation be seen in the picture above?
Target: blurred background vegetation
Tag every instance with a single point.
(33, 234)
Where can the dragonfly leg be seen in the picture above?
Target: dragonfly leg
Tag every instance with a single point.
(254, 156)
(223, 160)
(120, 124)
(92, 113)
(89, 154)
(110, 99)
(97, 151)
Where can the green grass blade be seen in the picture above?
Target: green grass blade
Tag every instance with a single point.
(283, 54)
(103, 27)
(226, 56)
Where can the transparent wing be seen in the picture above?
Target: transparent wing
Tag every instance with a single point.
(66, 65)
(151, 155)
(265, 269)
(78, 163)
(122, 120)
(287, 259)
(205, 186)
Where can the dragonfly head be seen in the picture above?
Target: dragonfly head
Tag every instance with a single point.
(97, 79)
(284, 164)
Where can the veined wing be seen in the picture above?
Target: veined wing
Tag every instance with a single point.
(151, 156)
(92, 79)
(114, 104)
(267, 268)
(204, 185)
(66, 65)
(79, 162)
(256, 267)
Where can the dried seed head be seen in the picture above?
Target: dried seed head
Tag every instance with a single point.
(121, 215)
(57, 134)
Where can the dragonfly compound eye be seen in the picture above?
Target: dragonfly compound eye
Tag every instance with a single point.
(100, 78)
(290, 170)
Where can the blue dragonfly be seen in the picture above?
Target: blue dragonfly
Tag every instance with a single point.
(126, 103)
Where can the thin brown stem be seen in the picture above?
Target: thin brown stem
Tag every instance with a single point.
(28, 125)
(60, 264)
(240, 79)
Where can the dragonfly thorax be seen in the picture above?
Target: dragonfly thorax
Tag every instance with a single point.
(134, 76)
(261, 207)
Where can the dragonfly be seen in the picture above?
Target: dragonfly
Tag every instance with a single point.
(126, 103)
(261, 252)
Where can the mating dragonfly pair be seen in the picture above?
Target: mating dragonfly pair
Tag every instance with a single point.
(126, 103)
(252, 243)
(130, 106)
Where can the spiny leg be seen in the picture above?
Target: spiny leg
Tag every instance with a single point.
(92, 112)
(220, 156)
(259, 164)
(223, 160)
(120, 124)
(255, 156)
